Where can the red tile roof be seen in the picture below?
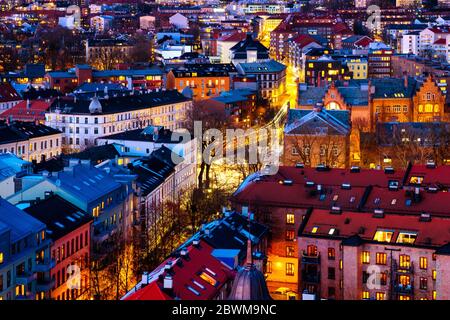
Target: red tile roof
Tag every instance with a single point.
(441, 41)
(188, 282)
(431, 176)
(234, 37)
(20, 112)
(434, 233)
(8, 93)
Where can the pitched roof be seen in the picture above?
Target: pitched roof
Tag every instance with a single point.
(60, 216)
(394, 87)
(120, 104)
(18, 222)
(27, 110)
(348, 224)
(196, 276)
(261, 67)
(8, 93)
(307, 121)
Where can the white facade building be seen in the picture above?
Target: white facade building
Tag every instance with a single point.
(82, 122)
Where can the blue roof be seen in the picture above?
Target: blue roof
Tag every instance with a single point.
(234, 96)
(17, 221)
(85, 182)
(10, 165)
(262, 67)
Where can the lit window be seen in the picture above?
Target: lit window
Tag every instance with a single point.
(341, 264)
(434, 274)
(380, 296)
(407, 237)
(423, 263)
(381, 258)
(331, 253)
(208, 279)
(314, 229)
(365, 295)
(290, 218)
(434, 294)
(405, 261)
(403, 297)
(365, 257)
(1, 257)
(416, 180)
(289, 269)
(383, 236)
(331, 232)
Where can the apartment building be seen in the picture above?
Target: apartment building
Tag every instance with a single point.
(83, 121)
(69, 228)
(354, 255)
(282, 202)
(202, 80)
(25, 260)
(30, 141)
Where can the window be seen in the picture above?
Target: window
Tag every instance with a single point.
(341, 264)
(331, 291)
(383, 278)
(381, 258)
(365, 276)
(380, 296)
(407, 237)
(423, 263)
(290, 235)
(365, 295)
(269, 267)
(423, 283)
(294, 151)
(434, 295)
(331, 254)
(290, 251)
(331, 273)
(1, 257)
(403, 297)
(208, 278)
(405, 261)
(383, 236)
(311, 250)
(290, 218)
(289, 269)
(314, 229)
(365, 257)
(433, 273)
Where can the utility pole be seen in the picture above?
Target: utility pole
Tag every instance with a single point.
(391, 286)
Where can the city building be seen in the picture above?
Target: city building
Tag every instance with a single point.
(270, 75)
(30, 141)
(8, 97)
(83, 121)
(373, 256)
(379, 60)
(205, 80)
(69, 229)
(25, 260)
(318, 136)
(27, 110)
(249, 51)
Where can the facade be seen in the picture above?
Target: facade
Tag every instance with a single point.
(318, 136)
(104, 53)
(8, 97)
(67, 81)
(282, 201)
(69, 228)
(270, 75)
(325, 69)
(25, 260)
(249, 51)
(205, 80)
(383, 257)
(379, 60)
(30, 141)
(226, 42)
(82, 122)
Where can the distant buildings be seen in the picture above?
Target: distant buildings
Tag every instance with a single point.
(8, 97)
(30, 141)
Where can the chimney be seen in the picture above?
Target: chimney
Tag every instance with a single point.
(168, 282)
(318, 107)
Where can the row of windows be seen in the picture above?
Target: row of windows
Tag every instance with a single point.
(70, 247)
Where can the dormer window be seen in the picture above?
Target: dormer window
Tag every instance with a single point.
(407, 237)
(383, 235)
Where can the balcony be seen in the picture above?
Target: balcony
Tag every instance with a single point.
(25, 278)
(311, 277)
(404, 289)
(44, 265)
(309, 259)
(44, 285)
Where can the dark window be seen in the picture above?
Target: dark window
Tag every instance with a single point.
(331, 273)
